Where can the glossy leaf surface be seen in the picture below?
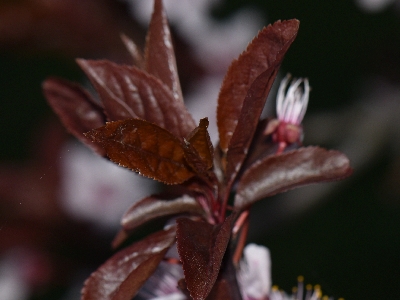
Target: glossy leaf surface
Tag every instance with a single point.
(201, 142)
(128, 92)
(121, 276)
(199, 149)
(264, 52)
(279, 173)
(159, 53)
(154, 207)
(247, 123)
(201, 247)
(145, 148)
(77, 110)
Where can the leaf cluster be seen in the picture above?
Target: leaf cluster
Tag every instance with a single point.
(141, 123)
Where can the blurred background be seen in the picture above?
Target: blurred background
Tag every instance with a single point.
(60, 205)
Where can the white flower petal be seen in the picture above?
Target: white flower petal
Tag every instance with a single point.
(255, 272)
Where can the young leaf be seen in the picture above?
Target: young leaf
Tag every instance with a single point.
(279, 173)
(247, 124)
(201, 142)
(201, 247)
(226, 286)
(77, 110)
(153, 207)
(262, 145)
(264, 52)
(145, 148)
(134, 51)
(121, 276)
(128, 92)
(222, 291)
(159, 52)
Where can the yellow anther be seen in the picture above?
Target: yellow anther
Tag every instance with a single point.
(300, 278)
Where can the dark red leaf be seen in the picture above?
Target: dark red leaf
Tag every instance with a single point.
(247, 124)
(226, 286)
(222, 290)
(262, 145)
(159, 52)
(200, 140)
(279, 173)
(119, 238)
(201, 247)
(183, 287)
(145, 148)
(121, 276)
(199, 151)
(153, 207)
(77, 110)
(264, 52)
(134, 51)
(128, 92)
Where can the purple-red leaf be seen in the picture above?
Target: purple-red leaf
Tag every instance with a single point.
(201, 142)
(134, 51)
(201, 247)
(222, 290)
(77, 110)
(266, 51)
(145, 148)
(159, 53)
(199, 152)
(279, 173)
(247, 124)
(153, 207)
(226, 286)
(128, 92)
(121, 276)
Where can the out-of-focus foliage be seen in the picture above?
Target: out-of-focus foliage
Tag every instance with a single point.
(349, 55)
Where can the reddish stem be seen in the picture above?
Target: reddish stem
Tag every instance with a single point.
(241, 242)
(172, 260)
(240, 221)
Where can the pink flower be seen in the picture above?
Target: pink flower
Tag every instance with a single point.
(291, 106)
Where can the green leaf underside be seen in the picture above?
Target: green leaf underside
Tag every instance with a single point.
(121, 276)
(279, 173)
(145, 148)
(201, 247)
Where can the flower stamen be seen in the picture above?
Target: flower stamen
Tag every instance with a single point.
(291, 106)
